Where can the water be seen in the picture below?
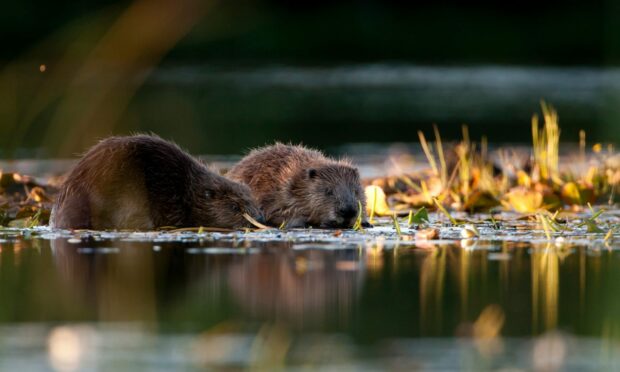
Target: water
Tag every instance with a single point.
(226, 109)
(336, 300)
(388, 102)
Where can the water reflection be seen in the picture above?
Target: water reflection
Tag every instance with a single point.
(432, 276)
(545, 287)
(300, 288)
(133, 281)
(371, 290)
(116, 284)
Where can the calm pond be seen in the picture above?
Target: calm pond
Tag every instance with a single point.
(164, 300)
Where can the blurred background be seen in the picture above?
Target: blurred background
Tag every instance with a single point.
(221, 77)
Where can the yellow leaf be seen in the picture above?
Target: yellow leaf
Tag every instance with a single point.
(376, 201)
(570, 193)
(524, 200)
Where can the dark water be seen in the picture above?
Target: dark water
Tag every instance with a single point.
(164, 300)
(383, 102)
(227, 109)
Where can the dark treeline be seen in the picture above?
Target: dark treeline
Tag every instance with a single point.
(448, 31)
(239, 74)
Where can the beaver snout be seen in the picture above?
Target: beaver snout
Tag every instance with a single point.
(348, 212)
(345, 218)
(256, 216)
(261, 219)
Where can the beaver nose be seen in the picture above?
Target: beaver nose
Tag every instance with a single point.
(348, 212)
(261, 219)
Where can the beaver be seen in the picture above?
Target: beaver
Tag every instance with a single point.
(300, 187)
(143, 182)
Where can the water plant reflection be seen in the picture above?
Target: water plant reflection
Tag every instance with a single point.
(372, 289)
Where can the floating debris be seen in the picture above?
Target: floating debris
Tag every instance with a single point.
(469, 231)
(427, 234)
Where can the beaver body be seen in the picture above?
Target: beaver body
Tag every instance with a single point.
(144, 182)
(298, 186)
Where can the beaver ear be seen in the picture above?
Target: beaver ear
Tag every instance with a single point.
(312, 173)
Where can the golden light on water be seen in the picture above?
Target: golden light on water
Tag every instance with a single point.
(464, 279)
(301, 265)
(42, 68)
(374, 255)
(432, 278)
(545, 287)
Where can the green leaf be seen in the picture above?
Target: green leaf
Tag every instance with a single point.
(421, 216)
(592, 227)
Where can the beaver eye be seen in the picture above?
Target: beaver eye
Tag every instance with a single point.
(235, 208)
(329, 192)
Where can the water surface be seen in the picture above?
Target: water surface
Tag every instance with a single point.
(308, 298)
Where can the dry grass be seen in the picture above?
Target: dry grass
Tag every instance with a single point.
(465, 177)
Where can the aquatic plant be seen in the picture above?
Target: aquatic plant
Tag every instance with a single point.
(255, 223)
(396, 226)
(465, 178)
(546, 144)
(421, 216)
(358, 221)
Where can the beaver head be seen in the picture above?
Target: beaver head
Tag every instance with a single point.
(224, 203)
(329, 195)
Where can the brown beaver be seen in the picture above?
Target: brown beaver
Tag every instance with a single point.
(298, 186)
(142, 182)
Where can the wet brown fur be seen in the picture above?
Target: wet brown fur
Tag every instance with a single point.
(143, 182)
(300, 186)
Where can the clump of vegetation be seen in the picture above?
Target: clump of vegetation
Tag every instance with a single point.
(24, 202)
(466, 177)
